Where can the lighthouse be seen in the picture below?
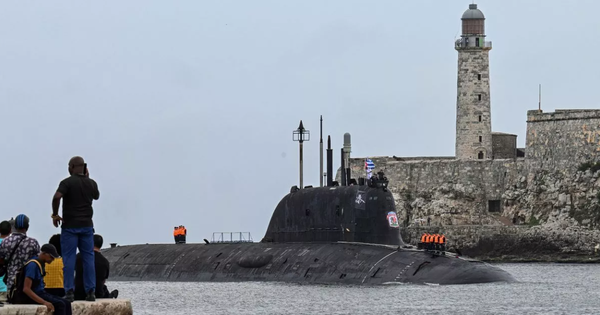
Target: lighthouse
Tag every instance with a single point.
(473, 119)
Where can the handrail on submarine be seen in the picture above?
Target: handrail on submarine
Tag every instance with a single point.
(244, 237)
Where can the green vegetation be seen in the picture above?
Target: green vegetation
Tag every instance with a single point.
(533, 221)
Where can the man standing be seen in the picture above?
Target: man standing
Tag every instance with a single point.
(17, 249)
(78, 192)
(5, 230)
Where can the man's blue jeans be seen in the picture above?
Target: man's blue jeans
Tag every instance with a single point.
(70, 240)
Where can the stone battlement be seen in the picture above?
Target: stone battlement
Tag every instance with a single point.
(562, 114)
(99, 307)
(563, 139)
(411, 158)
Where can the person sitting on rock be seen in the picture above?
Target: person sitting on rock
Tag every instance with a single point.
(102, 270)
(17, 249)
(31, 290)
(54, 279)
(5, 230)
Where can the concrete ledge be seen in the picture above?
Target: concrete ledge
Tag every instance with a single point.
(100, 307)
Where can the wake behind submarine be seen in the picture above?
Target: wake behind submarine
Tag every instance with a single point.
(337, 234)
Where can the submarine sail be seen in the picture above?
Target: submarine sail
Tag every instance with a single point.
(365, 214)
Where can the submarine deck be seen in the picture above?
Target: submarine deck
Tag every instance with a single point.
(338, 262)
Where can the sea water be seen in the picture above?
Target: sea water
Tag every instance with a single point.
(542, 289)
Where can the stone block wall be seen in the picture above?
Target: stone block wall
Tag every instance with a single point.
(504, 145)
(490, 192)
(448, 192)
(563, 139)
(484, 203)
(473, 121)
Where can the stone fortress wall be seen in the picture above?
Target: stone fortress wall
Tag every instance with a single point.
(495, 200)
(550, 196)
(563, 138)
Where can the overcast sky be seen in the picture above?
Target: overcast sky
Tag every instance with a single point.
(184, 110)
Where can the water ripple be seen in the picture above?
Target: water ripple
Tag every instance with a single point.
(543, 289)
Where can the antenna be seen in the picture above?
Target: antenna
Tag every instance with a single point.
(321, 154)
(540, 99)
(321, 128)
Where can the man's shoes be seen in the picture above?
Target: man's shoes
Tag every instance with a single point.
(91, 296)
(113, 294)
(70, 296)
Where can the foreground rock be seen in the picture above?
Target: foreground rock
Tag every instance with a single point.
(100, 307)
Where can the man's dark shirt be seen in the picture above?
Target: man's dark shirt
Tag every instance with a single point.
(78, 193)
(102, 270)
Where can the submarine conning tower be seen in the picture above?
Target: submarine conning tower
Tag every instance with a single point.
(356, 213)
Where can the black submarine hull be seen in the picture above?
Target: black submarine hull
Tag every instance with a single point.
(322, 235)
(318, 263)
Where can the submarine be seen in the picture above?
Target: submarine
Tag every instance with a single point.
(334, 234)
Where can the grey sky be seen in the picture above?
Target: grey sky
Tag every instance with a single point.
(184, 110)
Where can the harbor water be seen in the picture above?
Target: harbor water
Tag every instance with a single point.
(542, 289)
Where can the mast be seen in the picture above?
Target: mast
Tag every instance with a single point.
(321, 154)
